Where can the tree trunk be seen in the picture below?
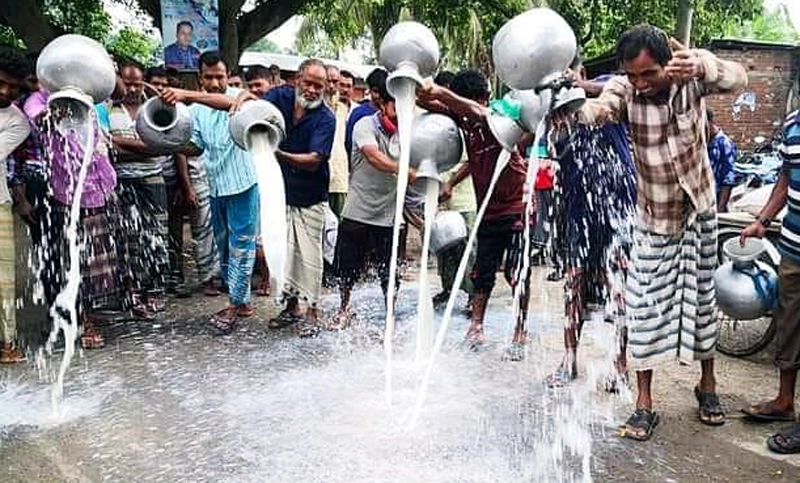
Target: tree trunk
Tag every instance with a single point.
(27, 21)
(229, 38)
(684, 28)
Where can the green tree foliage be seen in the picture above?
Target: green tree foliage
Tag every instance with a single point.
(771, 26)
(133, 44)
(465, 27)
(84, 17)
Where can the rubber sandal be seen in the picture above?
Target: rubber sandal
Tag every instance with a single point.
(754, 414)
(210, 290)
(640, 425)
(283, 320)
(785, 442)
(91, 339)
(11, 355)
(224, 320)
(709, 407)
(340, 321)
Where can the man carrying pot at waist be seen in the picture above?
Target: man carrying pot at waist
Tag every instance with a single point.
(365, 232)
(787, 317)
(670, 287)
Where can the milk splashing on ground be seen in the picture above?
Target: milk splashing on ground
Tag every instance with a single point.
(64, 310)
(272, 194)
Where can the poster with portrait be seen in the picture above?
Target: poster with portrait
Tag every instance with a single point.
(189, 28)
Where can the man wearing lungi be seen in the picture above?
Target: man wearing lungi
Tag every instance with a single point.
(303, 156)
(14, 129)
(670, 288)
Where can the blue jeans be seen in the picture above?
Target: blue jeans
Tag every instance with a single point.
(235, 222)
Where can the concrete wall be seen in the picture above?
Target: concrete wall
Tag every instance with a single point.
(772, 73)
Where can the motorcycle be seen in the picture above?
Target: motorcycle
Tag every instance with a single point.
(756, 173)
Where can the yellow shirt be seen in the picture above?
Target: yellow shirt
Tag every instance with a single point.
(338, 162)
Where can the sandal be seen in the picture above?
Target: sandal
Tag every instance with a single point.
(11, 355)
(210, 289)
(283, 320)
(263, 289)
(91, 339)
(475, 341)
(640, 425)
(785, 442)
(757, 412)
(141, 311)
(225, 320)
(514, 353)
(711, 412)
(307, 329)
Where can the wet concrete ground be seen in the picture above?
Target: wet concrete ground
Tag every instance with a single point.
(168, 401)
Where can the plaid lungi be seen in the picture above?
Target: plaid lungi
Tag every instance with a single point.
(304, 255)
(102, 267)
(670, 294)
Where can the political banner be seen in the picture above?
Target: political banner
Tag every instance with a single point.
(189, 28)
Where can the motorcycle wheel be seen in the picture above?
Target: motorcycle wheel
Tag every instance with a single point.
(740, 338)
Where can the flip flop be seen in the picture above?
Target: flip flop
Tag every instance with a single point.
(224, 321)
(643, 422)
(755, 414)
(785, 442)
(709, 407)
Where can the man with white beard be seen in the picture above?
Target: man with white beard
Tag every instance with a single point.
(303, 157)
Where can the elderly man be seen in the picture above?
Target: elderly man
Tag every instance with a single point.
(14, 128)
(332, 89)
(670, 294)
(232, 179)
(303, 156)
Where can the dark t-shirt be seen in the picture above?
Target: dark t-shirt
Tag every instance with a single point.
(483, 150)
(313, 133)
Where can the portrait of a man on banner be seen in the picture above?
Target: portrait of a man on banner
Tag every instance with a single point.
(190, 27)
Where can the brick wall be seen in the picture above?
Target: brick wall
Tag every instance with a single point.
(771, 73)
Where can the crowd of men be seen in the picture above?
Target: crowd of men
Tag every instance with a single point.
(643, 141)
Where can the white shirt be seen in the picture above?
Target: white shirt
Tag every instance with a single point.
(14, 129)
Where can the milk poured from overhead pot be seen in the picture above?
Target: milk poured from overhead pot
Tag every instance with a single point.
(272, 193)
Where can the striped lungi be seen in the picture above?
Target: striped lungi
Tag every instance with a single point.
(670, 294)
(304, 253)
